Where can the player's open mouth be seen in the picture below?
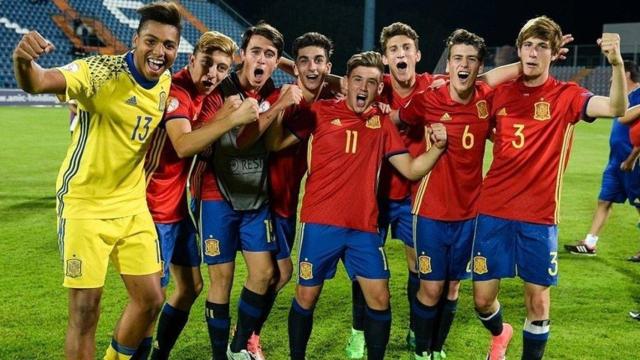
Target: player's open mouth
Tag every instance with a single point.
(313, 76)
(463, 75)
(207, 83)
(155, 65)
(402, 65)
(361, 100)
(257, 73)
(531, 65)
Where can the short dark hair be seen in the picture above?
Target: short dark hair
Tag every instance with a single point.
(161, 11)
(631, 67)
(368, 59)
(267, 31)
(396, 29)
(464, 37)
(312, 39)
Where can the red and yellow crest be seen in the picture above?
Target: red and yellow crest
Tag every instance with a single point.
(373, 122)
(480, 265)
(424, 264)
(212, 247)
(542, 111)
(306, 270)
(483, 111)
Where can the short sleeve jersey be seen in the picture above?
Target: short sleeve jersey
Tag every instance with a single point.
(393, 185)
(102, 174)
(534, 134)
(166, 171)
(450, 191)
(345, 153)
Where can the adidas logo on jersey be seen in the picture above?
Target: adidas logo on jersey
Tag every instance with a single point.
(502, 112)
(445, 117)
(336, 122)
(132, 101)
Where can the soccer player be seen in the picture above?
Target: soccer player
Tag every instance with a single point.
(234, 209)
(348, 140)
(618, 185)
(167, 167)
(102, 212)
(516, 229)
(312, 52)
(444, 205)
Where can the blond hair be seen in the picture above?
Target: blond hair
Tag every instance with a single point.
(212, 40)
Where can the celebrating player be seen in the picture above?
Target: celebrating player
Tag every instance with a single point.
(102, 212)
(516, 230)
(348, 141)
(445, 202)
(167, 167)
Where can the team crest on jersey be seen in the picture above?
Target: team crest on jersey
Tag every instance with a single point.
(264, 106)
(445, 117)
(336, 122)
(542, 111)
(212, 247)
(483, 112)
(373, 122)
(306, 270)
(172, 105)
(424, 263)
(71, 67)
(163, 101)
(74, 268)
(480, 265)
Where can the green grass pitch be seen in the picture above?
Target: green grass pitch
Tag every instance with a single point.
(589, 307)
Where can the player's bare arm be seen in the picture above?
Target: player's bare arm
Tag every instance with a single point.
(415, 168)
(616, 104)
(632, 114)
(509, 72)
(278, 137)
(30, 76)
(630, 162)
(249, 134)
(235, 112)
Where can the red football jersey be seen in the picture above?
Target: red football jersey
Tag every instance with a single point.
(534, 134)
(209, 185)
(166, 172)
(345, 153)
(393, 185)
(634, 133)
(450, 191)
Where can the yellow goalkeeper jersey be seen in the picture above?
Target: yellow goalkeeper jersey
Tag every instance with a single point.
(102, 175)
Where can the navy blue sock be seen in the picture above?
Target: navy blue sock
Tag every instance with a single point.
(377, 327)
(493, 322)
(270, 299)
(446, 313)
(413, 285)
(250, 309)
(218, 324)
(534, 339)
(424, 319)
(358, 306)
(300, 325)
(142, 353)
(170, 325)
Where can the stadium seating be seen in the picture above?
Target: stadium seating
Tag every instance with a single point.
(117, 15)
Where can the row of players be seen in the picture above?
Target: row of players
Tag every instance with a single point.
(233, 120)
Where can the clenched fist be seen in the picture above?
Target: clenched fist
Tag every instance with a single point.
(31, 47)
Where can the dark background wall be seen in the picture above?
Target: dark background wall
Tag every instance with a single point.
(497, 21)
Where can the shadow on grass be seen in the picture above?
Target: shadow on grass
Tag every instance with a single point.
(47, 202)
